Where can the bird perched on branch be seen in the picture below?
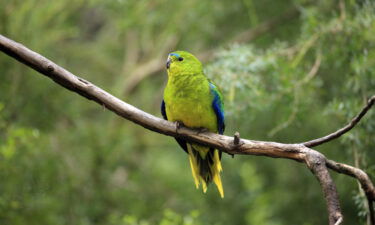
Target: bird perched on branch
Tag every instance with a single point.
(192, 100)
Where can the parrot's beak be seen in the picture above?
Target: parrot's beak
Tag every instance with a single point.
(169, 60)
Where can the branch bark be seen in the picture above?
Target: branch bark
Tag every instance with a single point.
(317, 164)
(314, 160)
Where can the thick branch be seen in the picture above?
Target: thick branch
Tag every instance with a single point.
(314, 160)
(343, 130)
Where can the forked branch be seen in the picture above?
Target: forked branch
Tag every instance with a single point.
(314, 160)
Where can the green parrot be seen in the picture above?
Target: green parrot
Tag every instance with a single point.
(191, 99)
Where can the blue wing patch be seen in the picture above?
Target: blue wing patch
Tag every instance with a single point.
(218, 106)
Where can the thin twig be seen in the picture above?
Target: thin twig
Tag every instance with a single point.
(237, 139)
(343, 130)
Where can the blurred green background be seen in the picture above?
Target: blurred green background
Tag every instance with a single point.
(290, 71)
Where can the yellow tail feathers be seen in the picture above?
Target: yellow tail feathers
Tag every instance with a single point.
(216, 174)
(206, 170)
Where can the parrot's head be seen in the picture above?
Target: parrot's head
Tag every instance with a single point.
(181, 62)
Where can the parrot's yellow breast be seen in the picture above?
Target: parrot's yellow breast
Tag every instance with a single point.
(191, 104)
(192, 114)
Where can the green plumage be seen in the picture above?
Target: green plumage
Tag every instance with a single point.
(189, 98)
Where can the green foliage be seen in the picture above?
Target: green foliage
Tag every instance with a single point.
(64, 160)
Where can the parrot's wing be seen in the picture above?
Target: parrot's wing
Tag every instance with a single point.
(218, 107)
(180, 141)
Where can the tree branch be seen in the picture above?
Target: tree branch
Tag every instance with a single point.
(314, 160)
(317, 164)
(343, 130)
(359, 174)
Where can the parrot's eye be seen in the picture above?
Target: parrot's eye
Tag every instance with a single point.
(180, 58)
